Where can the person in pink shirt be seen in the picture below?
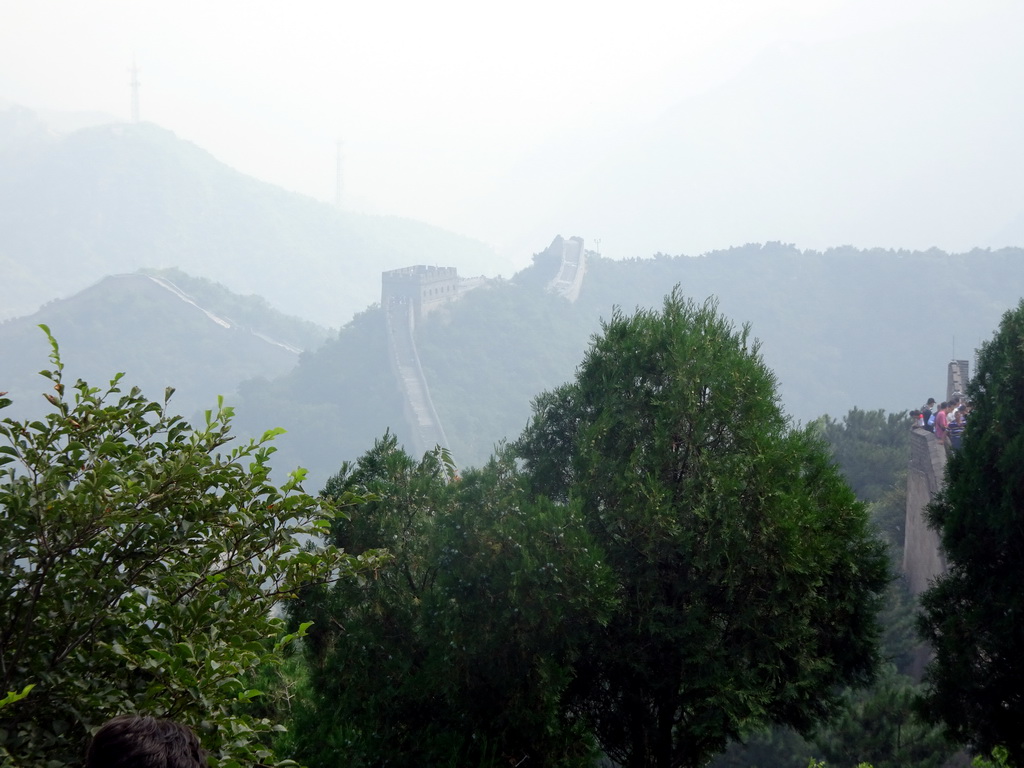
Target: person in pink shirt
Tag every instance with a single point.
(941, 422)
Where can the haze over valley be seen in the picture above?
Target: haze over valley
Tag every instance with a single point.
(598, 333)
(841, 176)
(145, 253)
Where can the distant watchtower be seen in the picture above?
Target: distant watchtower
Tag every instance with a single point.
(957, 377)
(425, 288)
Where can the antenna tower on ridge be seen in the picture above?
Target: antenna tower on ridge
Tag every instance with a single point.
(135, 91)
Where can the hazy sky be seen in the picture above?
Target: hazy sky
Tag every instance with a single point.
(655, 126)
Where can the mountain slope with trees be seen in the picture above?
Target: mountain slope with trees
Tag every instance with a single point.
(162, 329)
(839, 329)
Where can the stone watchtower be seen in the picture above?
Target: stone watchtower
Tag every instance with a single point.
(423, 288)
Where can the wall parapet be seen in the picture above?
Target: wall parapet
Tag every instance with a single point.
(923, 559)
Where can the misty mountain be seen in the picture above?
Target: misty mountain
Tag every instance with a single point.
(116, 198)
(844, 328)
(161, 329)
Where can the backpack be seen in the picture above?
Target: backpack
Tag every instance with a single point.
(929, 422)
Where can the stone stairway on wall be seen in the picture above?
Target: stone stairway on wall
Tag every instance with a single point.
(411, 293)
(420, 414)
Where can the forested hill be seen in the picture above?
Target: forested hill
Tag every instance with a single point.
(846, 328)
(162, 329)
(116, 198)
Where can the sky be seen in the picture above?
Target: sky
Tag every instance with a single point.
(674, 127)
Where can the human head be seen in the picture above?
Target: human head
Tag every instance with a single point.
(931, 402)
(134, 741)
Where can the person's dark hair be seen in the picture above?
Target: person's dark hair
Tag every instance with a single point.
(134, 741)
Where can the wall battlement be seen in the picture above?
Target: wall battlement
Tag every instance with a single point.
(425, 288)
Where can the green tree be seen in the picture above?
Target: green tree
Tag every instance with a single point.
(141, 561)
(777, 747)
(748, 576)
(525, 588)
(365, 657)
(973, 616)
(459, 650)
(879, 725)
(870, 448)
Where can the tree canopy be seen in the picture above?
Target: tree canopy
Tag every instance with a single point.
(747, 573)
(972, 614)
(459, 650)
(870, 448)
(141, 561)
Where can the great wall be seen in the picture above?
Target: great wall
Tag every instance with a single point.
(410, 294)
(923, 560)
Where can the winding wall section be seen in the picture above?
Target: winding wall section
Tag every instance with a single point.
(409, 294)
(569, 279)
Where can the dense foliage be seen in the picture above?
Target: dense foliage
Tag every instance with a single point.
(140, 564)
(972, 614)
(458, 651)
(871, 449)
(747, 572)
(878, 725)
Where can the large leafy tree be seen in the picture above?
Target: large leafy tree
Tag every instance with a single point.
(459, 650)
(140, 563)
(748, 576)
(974, 614)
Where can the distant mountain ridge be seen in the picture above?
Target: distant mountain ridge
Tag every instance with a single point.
(117, 198)
(844, 328)
(161, 330)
